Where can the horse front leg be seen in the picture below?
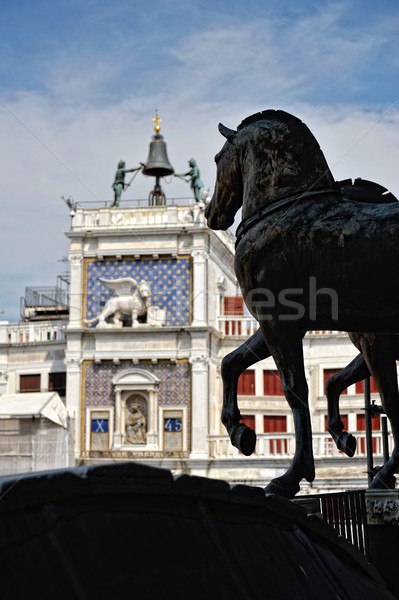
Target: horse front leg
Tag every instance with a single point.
(286, 348)
(233, 364)
(355, 371)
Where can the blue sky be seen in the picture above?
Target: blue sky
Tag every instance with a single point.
(80, 82)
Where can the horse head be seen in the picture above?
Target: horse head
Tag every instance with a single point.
(272, 155)
(227, 197)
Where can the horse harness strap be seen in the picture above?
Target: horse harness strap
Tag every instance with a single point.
(274, 206)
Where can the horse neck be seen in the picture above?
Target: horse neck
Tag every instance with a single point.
(271, 177)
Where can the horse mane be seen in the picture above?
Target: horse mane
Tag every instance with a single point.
(296, 126)
(272, 115)
(297, 136)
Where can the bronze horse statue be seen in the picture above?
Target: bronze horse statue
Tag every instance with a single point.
(308, 252)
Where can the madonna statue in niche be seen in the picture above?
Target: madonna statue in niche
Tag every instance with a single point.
(136, 421)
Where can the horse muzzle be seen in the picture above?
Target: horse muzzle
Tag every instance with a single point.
(210, 216)
(214, 219)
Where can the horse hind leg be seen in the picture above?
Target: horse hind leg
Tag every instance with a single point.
(381, 359)
(233, 364)
(355, 371)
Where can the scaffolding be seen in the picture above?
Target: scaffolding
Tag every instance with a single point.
(46, 302)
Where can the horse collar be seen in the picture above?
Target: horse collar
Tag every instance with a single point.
(272, 207)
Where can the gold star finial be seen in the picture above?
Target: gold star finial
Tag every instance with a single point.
(157, 121)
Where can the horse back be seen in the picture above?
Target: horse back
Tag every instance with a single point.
(347, 246)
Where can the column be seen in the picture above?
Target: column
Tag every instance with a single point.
(3, 378)
(199, 406)
(199, 287)
(152, 419)
(3, 357)
(73, 397)
(118, 436)
(76, 291)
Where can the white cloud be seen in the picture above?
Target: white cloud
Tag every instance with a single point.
(356, 143)
(277, 60)
(68, 139)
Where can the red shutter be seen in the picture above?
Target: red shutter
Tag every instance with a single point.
(29, 383)
(233, 305)
(373, 386)
(246, 384)
(249, 421)
(276, 424)
(272, 384)
(361, 422)
(361, 426)
(327, 374)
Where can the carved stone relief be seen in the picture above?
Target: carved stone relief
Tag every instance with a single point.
(136, 420)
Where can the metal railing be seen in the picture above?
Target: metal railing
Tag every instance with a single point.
(46, 296)
(346, 513)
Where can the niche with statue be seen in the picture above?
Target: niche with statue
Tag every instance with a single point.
(136, 420)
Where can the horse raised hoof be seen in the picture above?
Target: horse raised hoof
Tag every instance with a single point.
(280, 488)
(347, 443)
(243, 438)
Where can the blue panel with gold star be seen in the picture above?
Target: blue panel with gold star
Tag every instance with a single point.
(170, 280)
(174, 387)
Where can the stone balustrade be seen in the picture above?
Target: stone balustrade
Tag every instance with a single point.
(32, 332)
(282, 445)
(138, 217)
(245, 325)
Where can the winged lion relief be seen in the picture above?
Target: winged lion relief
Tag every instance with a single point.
(132, 301)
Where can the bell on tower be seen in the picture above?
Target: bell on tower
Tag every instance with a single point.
(157, 164)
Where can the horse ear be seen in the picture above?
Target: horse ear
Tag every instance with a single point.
(229, 134)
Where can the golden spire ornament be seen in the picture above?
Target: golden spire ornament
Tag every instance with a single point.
(157, 121)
